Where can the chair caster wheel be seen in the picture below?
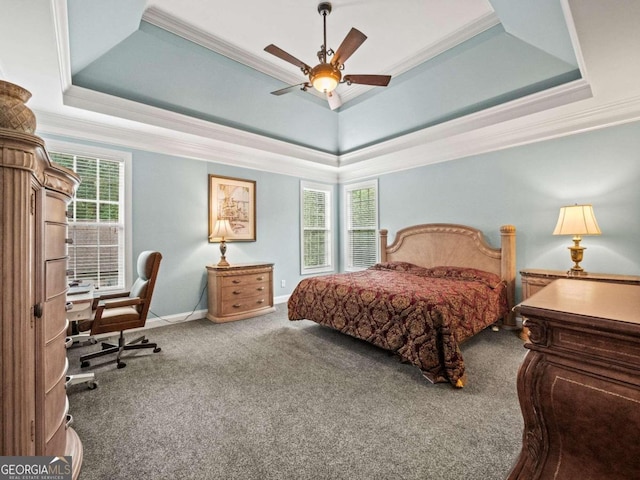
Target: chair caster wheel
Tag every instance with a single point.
(85, 364)
(92, 385)
(157, 349)
(145, 340)
(121, 364)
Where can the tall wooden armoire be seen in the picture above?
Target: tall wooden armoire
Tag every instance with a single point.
(33, 263)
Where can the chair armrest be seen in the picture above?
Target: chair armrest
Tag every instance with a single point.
(128, 302)
(107, 296)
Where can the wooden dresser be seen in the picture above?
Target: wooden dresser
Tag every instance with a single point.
(239, 291)
(534, 280)
(33, 324)
(579, 384)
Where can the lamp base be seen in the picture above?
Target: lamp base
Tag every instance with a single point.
(223, 249)
(572, 272)
(577, 254)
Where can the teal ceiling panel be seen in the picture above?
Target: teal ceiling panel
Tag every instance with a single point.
(490, 69)
(90, 39)
(157, 68)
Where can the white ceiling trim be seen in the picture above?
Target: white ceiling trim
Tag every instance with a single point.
(496, 137)
(119, 107)
(545, 100)
(161, 19)
(170, 142)
(61, 26)
(475, 134)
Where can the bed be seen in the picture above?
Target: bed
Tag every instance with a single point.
(436, 286)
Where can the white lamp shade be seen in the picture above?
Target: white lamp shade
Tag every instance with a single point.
(577, 220)
(221, 230)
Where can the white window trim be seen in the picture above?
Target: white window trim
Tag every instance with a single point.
(59, 146)
(345, 238)
(328, 189)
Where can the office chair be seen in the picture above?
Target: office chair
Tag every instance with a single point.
(124, 311)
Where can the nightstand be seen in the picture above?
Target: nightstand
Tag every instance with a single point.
(239, 291)
(534, 280)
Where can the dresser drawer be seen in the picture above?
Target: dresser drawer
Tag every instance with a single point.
(242, 305)
(55, 208)
(232, 293)
(245, 279)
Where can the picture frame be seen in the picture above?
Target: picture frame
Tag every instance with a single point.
(233, 199)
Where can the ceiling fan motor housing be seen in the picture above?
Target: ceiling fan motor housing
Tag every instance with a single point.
(325, 77)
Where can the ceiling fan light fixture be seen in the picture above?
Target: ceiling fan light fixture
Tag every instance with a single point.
(325, 77)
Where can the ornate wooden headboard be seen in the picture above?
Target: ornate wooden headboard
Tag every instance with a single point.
(444, 244)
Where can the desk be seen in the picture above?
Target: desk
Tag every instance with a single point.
(79, 300)
(534, 280)
(579, 384)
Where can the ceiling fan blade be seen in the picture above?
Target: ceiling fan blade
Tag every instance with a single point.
(334, 100)
(278, 52)
(350, 44)
(376, 80)
(291, 88)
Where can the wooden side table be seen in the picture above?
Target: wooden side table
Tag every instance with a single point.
(239, 291)
(534, 280)
(579, 384)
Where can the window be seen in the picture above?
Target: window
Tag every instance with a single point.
(316, 235)
(97, 214)
(361, 242)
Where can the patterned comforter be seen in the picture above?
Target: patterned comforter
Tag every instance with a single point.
(421, 314)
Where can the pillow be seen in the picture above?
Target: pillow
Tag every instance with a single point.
(396, 267)
(463, 273)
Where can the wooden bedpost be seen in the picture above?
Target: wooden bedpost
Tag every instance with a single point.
(383, 244)
(508, 268)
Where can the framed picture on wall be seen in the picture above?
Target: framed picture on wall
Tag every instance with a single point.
(233, 199)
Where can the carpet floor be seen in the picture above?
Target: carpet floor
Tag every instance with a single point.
(266, 398)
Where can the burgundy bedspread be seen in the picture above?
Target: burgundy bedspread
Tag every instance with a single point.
(420, 314)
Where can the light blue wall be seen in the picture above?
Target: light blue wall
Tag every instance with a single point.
(526, 186)
(170, 214)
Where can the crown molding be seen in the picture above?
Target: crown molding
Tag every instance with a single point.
(60, 17)
(122, 108)
(542, 101)
(519, 122)
(179, 144)
(441, 147)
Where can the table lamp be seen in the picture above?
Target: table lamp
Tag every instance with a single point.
(222, 229)
(577, 220)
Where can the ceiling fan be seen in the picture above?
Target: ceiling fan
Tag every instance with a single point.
(326, 76)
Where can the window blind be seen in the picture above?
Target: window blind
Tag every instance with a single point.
(362, 225)
(96, 223)
(316, 231)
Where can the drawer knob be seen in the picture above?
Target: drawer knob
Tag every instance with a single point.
(68, 241)
(260, 301)
(260, 278)
(260, 289)
(237, 305)
(237, 292)
(237, 281)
